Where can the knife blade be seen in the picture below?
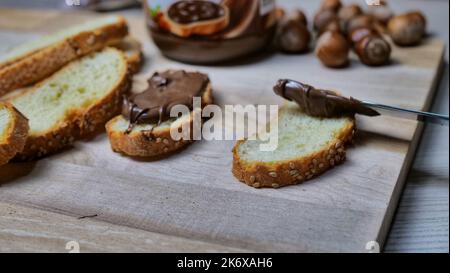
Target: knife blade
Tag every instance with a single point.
(395, 111)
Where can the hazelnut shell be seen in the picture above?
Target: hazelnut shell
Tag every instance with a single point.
(323, 18)
(299, 16)
(294, 37)
(333, 5)
(332, 49)
(360, 21)
(382, 13)
(346, 13)
(360, 33)
(407, 29)
(373, 50)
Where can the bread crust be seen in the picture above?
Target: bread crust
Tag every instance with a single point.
(16, 134)
(38, 65)
(79, 123)
(294, 171)
(142, 144)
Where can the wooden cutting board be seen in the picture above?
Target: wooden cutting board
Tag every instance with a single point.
(193, 197)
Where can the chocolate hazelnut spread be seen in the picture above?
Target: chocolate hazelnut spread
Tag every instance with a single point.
(210, 31)
(186, 12)
(165, 90)
(320, 103)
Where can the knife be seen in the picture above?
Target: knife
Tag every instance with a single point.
(325, 103)
(408, 113)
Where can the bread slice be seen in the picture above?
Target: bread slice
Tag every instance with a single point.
(36, 60)
(133, 51)
(13, 132)
(307, 147)
(73, 103)
(140, 143)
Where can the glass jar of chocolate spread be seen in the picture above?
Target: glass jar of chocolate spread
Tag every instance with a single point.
(210, 31)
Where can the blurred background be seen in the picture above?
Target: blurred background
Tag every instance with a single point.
(65, 4)
(422, 220)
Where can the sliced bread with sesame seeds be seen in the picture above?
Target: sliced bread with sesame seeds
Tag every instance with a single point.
(150, 140)
(73, 103)
(13, 132)
(38, 59)
(307, 147)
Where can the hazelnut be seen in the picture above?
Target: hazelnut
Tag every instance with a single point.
(358, 34)
(294, 36)
(382, 13)
(407, 29)
(334, 25)
(347, 13)
(332, 49)
(299, 16)
(323, 18)
(333, 5)
(360, 21)
(373, 50)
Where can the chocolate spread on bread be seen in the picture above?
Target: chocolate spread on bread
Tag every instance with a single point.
(320, 103)
(165, 90)
(186, 12)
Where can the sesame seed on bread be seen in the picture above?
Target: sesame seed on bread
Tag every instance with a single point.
(150, 140)
(73, 103)
(38, 59)
(307, 147)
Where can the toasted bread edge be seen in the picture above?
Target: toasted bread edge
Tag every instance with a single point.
(294, 171)
(42, 63)
(16, 134)
(160, 143)
(80, 123)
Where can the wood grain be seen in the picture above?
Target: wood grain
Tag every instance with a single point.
(338, 212)
(25, 229)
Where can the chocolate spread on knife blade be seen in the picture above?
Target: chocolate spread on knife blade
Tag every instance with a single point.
(165, 90)
(186, 12)
(320, 103)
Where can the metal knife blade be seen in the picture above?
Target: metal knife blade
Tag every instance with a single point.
(408, 113)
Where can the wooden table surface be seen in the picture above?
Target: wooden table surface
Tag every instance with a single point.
(421, 223)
